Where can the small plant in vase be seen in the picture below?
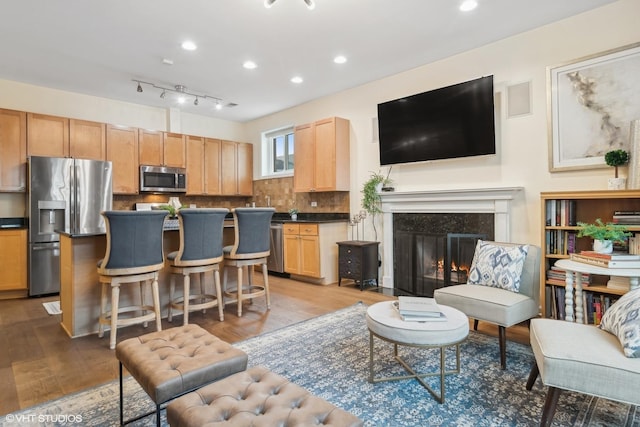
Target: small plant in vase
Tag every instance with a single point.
(616, 158)
(293, 212)
(603, 235)
(371, 195)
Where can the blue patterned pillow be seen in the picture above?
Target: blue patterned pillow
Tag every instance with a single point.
(498, 266)
(622, 319)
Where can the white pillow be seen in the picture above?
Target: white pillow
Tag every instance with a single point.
(498, 266)
(622, 319)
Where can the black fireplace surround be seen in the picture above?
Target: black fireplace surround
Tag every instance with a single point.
(433, 250)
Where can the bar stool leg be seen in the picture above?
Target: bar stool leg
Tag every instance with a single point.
(172, 290)
(265, 275)
(185, 300)
(239, 291)
(216, 281)
(115, 297)
(103, 309)
(156, 301)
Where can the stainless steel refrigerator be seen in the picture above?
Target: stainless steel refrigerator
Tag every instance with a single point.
(64, 194)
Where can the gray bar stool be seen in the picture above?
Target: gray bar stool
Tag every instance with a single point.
(134, 256)
(251, 247)
(200, 252)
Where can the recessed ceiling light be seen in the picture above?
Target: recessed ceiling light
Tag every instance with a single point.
(296, 80)
(468, 5)
(189, 45)
(340, 59)
(249, 65)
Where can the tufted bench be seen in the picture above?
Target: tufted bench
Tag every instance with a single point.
(170, 363)
(256, 397)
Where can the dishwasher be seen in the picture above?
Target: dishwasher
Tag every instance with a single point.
(275, 261)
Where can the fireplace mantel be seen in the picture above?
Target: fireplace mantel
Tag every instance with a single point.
(477, 200)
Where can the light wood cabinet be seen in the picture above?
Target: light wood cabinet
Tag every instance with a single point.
(47, 135)
(236, 165)
(322, 156)
(212, 166)
(157, 148)
(13, 150)
(174, 150)
(13, 258)
(561, 211)
(122, 151)
(87, 140)
(310, 250)
(203, 166)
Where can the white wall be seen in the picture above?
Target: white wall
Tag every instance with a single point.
(522, 158)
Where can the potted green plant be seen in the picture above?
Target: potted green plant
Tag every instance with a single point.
(371, 195)
(603, 235)
(616, 158)
(294, 214)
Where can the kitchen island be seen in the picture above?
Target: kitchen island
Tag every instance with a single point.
(80, 287)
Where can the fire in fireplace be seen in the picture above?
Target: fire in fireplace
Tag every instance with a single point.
(426, 262)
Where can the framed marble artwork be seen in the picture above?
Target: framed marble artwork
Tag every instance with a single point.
(591, 104)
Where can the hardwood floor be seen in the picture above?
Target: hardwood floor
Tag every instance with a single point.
(39, 362)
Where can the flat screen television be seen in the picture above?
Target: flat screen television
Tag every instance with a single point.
(453, 121)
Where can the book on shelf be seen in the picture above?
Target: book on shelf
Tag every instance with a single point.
(615, 256)
(560, 212)
(557, 273)
(606, 263)
(619, 283)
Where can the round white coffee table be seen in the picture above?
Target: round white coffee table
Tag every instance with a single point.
(384, 322)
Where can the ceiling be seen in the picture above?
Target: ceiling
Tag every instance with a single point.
(98, 47)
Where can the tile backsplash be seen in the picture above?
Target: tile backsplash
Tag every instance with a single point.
(275, 192)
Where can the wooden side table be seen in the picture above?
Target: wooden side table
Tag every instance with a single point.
(358, 260)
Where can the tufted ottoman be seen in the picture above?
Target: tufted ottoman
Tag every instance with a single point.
(256, 397)
(170, 363)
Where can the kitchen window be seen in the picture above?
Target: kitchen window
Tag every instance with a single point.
(277, 154)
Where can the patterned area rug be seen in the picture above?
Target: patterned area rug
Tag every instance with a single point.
(328, 355)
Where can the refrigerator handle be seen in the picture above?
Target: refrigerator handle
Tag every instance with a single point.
(73, 194)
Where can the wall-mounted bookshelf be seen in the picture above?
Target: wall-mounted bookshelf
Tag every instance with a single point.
(560, 213)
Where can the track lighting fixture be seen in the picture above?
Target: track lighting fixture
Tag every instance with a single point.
(183, 92)
(310, 4)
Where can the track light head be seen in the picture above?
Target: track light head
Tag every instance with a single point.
(139, 87)
(218, 105)
(310, 4)
(196, 101)
(162, 95)
(269, 3)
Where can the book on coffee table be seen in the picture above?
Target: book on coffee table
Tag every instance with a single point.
(421, 317)
(422, 306)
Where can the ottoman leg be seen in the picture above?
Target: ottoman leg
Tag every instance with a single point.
(533, 375)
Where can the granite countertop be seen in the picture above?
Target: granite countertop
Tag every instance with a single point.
(316, 218)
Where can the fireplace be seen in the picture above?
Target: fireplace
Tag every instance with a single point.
(435, 250)
(496, 202)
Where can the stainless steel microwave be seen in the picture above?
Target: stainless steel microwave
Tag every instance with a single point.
(160, 179)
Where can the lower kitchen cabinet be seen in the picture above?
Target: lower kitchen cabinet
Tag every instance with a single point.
(358, 261)
(310, 252)
(13, 258)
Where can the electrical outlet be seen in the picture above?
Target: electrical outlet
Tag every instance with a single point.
(314, 204)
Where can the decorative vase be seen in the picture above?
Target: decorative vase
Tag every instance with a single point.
(294, 217)
(603, 246)
(617, 183)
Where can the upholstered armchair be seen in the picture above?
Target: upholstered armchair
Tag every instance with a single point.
(503, 288)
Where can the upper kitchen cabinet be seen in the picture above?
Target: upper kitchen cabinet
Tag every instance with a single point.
(122, 151)
(13, 150)
(87, 140)
(47, 135)
(322, 156)
(174, 150)
(236, 168)
(150, 147)
(161, 149)
(203, 166)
